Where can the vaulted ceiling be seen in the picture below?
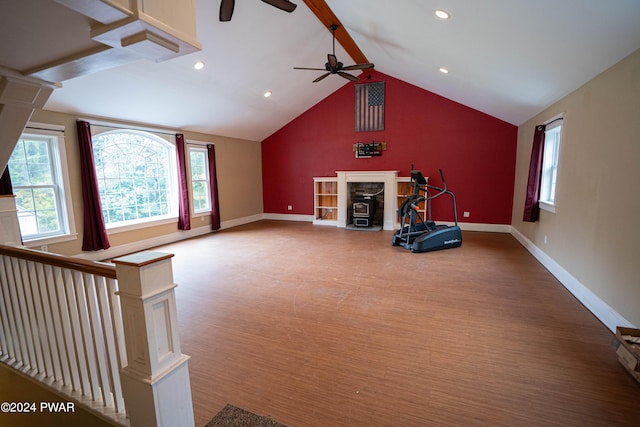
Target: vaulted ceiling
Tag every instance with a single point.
(507, 58)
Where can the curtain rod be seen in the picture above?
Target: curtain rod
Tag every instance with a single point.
(47, 129)
(201, 143)
(45, 126)
(554, 120)
(132, 128)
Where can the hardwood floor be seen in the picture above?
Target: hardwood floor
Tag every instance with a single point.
(320, 326)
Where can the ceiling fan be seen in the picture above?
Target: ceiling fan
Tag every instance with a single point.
(226, 7)
(333, 66)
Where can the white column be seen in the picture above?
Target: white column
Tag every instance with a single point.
(343, 190)
(9, 227)
(390, 200)
(155, 383)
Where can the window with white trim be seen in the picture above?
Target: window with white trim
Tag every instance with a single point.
(136, 174)
(40, 184)
(199, 166)
(549, 173)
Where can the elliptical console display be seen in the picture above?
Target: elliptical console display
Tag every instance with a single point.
(419, 235)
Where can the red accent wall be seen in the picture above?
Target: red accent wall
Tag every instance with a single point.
(476, 152)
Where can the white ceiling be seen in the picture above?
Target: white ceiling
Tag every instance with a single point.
(507, 58)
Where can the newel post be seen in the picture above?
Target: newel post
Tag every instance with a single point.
(9, 226)
(155, 383)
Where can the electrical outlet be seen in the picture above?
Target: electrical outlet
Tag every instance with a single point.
(466, 214)
(545, 239)
(289, 208)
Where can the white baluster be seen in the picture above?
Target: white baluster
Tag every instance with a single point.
(111, 356)
(17, 331)
(88, 348)
(93, 282)
(60, 355)
(65, 327)
(52, 367)
(5, 307)
(76, 328)
(34, 335)
(22, 313)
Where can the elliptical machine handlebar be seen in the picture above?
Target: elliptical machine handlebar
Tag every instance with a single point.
(440, 191)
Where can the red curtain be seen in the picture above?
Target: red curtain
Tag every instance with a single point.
(94, 236)
(5, 183)
(531, 206)
(213, 188)
(184, 217)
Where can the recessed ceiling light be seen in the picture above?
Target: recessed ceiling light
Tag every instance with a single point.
(198, 65)
(444, 70)
(442, 14)
(267, 94)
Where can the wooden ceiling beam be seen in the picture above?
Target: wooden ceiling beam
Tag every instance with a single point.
(324, 13)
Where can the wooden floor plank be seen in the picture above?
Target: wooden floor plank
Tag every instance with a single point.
(320, 326)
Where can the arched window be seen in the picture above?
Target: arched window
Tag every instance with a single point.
(136, 177)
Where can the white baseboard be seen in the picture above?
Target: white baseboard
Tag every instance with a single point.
(471, 226)
(288, 217)
(141, 245)
(467, 226)
(607, 315)
(240, 221)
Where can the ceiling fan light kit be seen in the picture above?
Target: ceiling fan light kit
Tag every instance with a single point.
(333, 66)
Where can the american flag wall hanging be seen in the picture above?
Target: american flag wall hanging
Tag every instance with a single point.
(369, 107)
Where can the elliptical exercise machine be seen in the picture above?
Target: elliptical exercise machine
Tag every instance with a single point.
(419, 235)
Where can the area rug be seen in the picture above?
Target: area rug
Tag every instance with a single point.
(231, 416)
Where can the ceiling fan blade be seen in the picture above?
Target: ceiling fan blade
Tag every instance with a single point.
(226, 10)
(359, 66)
(348, 76)
(304, 68)
(333, 61)
(321, 77)
(285, 5)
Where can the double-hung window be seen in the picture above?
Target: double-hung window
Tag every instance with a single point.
(136, 174)
(549, 173)
(199, 166)
(40, 184)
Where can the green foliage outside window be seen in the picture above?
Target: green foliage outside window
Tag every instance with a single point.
(199, 179)
(133, 175)
(35, 186)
